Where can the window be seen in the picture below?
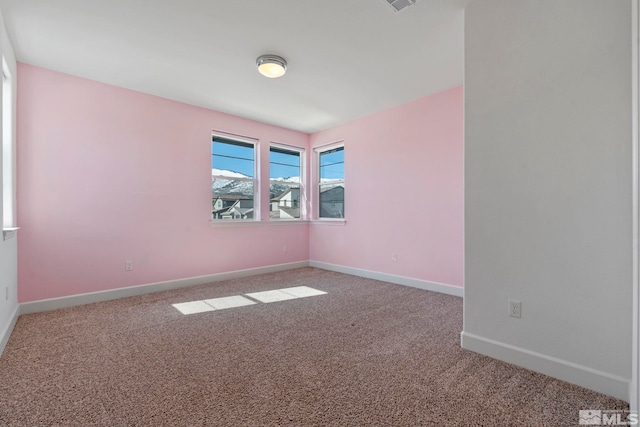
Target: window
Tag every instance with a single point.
(331, 182)
(286, 192)
(8, 184)
(233, 178)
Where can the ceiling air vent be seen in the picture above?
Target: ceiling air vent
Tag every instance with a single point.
(398, 5)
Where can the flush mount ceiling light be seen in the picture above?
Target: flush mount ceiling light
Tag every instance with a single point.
(398, 5)
(271, 66)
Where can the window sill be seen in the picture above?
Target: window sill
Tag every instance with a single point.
(233, 223)
(279, 222)
(329, 221)
(275, 222)
(9, 232)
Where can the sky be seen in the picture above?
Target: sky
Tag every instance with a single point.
(240, 159)
(233, 158)
(332, 164)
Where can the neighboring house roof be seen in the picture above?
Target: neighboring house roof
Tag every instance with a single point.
(226, 198)
(233, 208)
(232, 197)
(332, 202)
(337, 187)
(284, 193)
(294, 212)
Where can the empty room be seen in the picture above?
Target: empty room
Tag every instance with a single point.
(319, 213)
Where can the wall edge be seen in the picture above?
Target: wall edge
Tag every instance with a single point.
(4, 337)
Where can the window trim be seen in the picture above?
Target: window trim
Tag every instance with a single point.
(256, 178)
(304, 211)
(8, 176)
(317, 219)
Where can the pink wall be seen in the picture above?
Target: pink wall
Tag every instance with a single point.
(403, 192)
(107, 174)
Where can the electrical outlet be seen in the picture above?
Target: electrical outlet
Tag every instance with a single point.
(128, 265)
(514, 308)
(285, 249)
(394, 257)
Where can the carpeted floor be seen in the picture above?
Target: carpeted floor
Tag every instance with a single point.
(366, 353)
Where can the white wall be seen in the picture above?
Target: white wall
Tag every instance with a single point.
(548, 187)
(9, 247)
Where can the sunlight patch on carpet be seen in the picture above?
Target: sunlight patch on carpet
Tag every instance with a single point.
(265, 297)
(303, 291)
(193, 307)
(229, 302)
(285, 294)
(271, 296)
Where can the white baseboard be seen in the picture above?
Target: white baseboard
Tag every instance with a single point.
(6, 333)
(391, 278)
(602, 382)
(88, 298)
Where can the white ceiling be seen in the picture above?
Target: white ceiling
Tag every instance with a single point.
(347, 58)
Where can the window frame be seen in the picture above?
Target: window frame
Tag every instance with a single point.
(8, 176)
(302, 187)
(242, 140)
(316, 211)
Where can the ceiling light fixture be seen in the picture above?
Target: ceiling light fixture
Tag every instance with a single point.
(271, 66)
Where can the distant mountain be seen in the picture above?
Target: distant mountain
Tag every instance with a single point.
(325, 181)
(293, 179)
(225, 183)
(230, 174)
(277, 189)
(229, 186)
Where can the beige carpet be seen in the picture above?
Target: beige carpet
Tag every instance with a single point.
(366, 353)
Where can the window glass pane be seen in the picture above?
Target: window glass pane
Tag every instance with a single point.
(332, 201)
(332, 165)
(284, 188)
(285, 201)
(284, 165)
(331, 185)
(7, 151)
(232, 179)
(233, 156)
(232, 199)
